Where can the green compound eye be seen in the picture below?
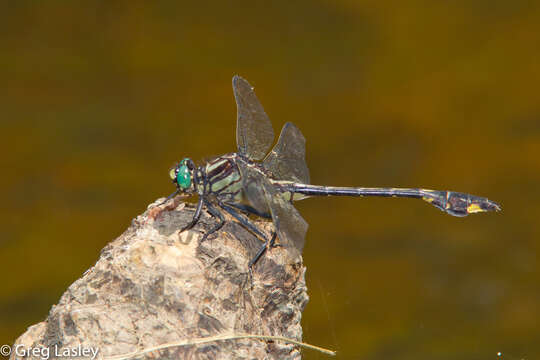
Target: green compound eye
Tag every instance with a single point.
(183, 177)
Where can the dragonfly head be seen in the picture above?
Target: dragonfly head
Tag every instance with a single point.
(182, 176)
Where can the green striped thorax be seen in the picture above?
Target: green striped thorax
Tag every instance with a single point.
(182, 175)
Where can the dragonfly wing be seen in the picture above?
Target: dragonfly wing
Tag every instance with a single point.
(254, 133)
(263, 197)
(287, 160)
(290, 225)
(252, 188)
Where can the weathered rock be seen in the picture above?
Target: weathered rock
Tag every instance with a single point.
(154, 286)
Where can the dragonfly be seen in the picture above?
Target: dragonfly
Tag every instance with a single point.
(264, 181)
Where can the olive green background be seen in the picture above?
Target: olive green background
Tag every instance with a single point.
(98, 99)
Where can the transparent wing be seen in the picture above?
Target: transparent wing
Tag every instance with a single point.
(252, 181)
(290, 225)
(254, 133)
(287, 160)
(261, 194)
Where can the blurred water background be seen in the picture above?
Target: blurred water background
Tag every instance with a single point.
(99, 99)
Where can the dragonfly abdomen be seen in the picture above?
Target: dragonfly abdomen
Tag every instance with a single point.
(453, 203)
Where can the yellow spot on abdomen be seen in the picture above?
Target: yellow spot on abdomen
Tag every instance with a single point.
(473, 208)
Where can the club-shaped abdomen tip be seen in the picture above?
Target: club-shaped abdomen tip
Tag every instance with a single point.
(478, 204)
(459, 204)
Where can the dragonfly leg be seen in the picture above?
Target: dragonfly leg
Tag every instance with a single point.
(196, 216)
(250, 210)
(243, 221)
(248, 225)
(215, 212)
(267, 245)
(169, 197)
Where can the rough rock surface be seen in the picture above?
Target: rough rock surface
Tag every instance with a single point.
(153, 286)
